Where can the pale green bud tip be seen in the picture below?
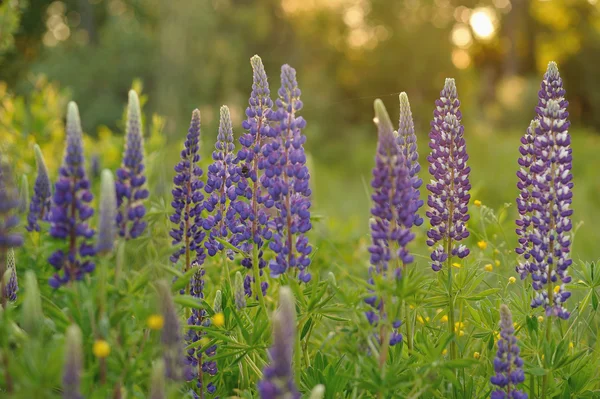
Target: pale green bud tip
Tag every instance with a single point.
(73, 113)
(134, 101)
(404, 100)
(318, 392)
(224, 112)
(74, 337)
(256, 62)
(382, 119)
(450, 88)
(107, 180)
(552, 71)
(157, 390)
(196, 115)
(287, 304)
(218, 304)
(32, 305)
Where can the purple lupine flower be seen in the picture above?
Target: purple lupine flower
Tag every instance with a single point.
(249, 225)
(95, 166)
(550, 235)
(131, 181)
(70, 210)
(508, 365)
(188, 199)
(39, 207)
(525, 201)
(278, 376)
(407, 140)
(73, 366)
(176, 367)
(220, 185)
(107, 228)
(449, 189)
(11, 286)
(286, 180)
(393, 213)
(199, 362)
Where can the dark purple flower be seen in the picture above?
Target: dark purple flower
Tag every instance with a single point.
(449, 189)
(73, 366)
(107, 229)
(278, 376)
(188, 200)
(248, 225)
(508, 365)
(220, 186)
(407, 141)
(11, 287)
(286, 180)
(70, 210)
(549, 237)
(392, 212)
(131, 181)
(39, 207)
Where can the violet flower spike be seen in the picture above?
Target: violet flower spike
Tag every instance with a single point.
(249, 227)
(278, 376)
(407, 141)
(188, 200)
(71, 210)
(552, 192)
(39, 207)
(107, 229)
(131, 181)
(508, 365)
(286, 180)
(220, 186)
(393, 214)
(449, 188)
(73, 366)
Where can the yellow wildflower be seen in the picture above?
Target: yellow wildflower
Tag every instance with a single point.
(540, 319)
(461, 333)
(444, 319)
(477, 203)
(556, 289)
(444, 352)
(155, 322)
(512, 280)
(497, 262)
(482, 245)
(496, 251)
(476, 355)
(458, 325)
(457, 265)
(101, 348)
(218, 320)
(488, 267)
(571, 345)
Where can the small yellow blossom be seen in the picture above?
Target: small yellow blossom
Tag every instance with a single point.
(204, 341)
(457, 265)
(155, 322)
(411, 306)
(458, 325)
(515, 324)
(444, 319)
(461, 333)
(444, 352)
(488, 267)
(438, 311)
(476, 355)
(496, 251)
(497, 262)
(540, 319)
(556, 289)
(571, 345)
(482, 245)
(477, 203)
(512, 280)
(101, 348)
(420, 319)
(427, 319)
(218, 320)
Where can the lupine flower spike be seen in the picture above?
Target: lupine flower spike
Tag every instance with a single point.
(249, 228)
(508, 365)
(278, 378)
(11, 286)
(552, 182)
(107, 229)
(131, 181)
(407, 140)
(70, 210)
(188, 199)
(39, 207)
(393, 213)
(73, 367)
(9, 203)
(286, 180)
(220, 185)
(449, 187)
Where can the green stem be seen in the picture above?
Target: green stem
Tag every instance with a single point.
(547, 376)
(256, 269)
(408, 326)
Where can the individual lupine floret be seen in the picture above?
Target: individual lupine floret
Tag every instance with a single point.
(278, 376)
(70, 210)
(525, 200)
(39, 207)
(508, 365)
(552, 184)
(286, 180)
(176, 367)
(107, 229)
(199, 362)
(188, 200)
(73, 366)
(449, 188)
(220, 185)
(249, 226)
(407, 140)
(131, 181)
(393, 213)
(11, 286)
